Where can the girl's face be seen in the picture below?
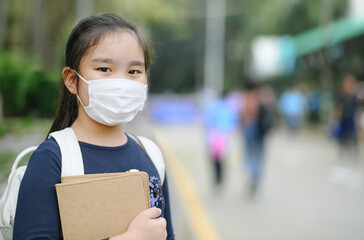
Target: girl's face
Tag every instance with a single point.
(118, 55)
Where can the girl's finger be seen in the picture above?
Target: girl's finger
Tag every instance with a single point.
(152, 212)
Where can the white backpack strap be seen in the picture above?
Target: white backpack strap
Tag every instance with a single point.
(72, 163)
(20, 157)
(9, 199)
(155, 155)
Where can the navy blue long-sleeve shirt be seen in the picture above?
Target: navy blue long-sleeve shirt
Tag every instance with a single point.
(37, 215)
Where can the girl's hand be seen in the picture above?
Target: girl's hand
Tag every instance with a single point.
(146, 226)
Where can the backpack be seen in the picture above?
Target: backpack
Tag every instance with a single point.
(265, 120)
(72, 164)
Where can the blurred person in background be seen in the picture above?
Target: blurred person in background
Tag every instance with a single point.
(267, 108)
(292, 104)
(360, 111)
(314, 101)
(345, 114)
(256, 121)
(220, 119)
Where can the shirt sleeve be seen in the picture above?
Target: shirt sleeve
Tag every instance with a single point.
(37, 215)
(167, 211)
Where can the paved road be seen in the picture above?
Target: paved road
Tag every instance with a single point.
(308, 191)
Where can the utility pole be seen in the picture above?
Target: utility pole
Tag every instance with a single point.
(38, 28)
(4, 12)
(214, 47)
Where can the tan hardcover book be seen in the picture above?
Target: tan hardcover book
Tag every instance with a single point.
(97, 206)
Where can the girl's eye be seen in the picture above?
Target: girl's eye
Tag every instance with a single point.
(133, 72)
(104, 69)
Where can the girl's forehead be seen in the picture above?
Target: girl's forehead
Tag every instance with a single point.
(117, 44)
(116, 36)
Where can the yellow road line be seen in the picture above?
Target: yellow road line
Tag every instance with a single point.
(196, 212)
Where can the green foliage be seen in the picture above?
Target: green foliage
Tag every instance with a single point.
(23, 87)
(42, 95)
(176, 27)
(6, 159)
(26, 125)
(6, 162)
(2, 128)
(249, 19)
(161, 14)
(15, 74)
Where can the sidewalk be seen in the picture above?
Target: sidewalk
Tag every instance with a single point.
(308, 193)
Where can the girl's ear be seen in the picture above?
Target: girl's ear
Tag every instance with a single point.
(70, 79)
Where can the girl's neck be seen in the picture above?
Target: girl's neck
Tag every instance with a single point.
(90, 131)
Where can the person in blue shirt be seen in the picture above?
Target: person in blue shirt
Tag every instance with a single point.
(105, 85)
(293, 106)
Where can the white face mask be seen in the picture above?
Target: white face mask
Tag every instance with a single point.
(114, 101)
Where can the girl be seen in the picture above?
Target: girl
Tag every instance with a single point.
(105, 86)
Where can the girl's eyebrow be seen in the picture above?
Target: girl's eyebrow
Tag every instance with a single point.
(136, 63)
(104, 60)
(110, 60)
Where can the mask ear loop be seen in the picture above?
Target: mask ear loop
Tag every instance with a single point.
(79, 77)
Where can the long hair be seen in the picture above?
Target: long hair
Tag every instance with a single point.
(86, 34)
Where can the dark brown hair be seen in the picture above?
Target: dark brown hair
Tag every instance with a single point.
(86, 34)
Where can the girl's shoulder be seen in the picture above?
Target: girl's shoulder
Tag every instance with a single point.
(50, 145)
(47, 152)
